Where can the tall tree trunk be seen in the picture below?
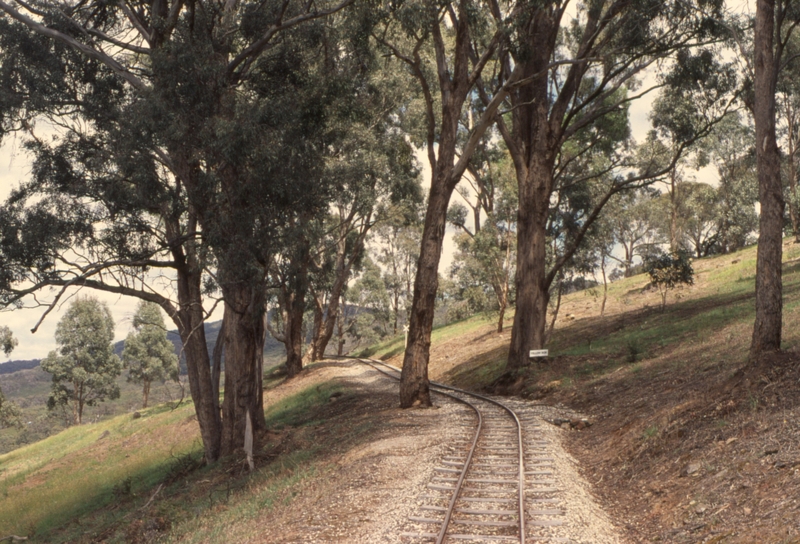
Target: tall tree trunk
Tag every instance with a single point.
(531, 142)
(502, 312)
(293, 323)
(318, 327)
(396, 312)
(189, 320)
(145, 393)
(554, 318)
(530, 319)
(791, 138)
(605, 284)
(414, 379)
(340, 332)
(769, 303)
(534, 163)
(216, 361)
(455, 83)
(244, 361)
(673, 212)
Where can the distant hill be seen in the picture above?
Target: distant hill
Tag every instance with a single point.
(273, 350)
(15, 366)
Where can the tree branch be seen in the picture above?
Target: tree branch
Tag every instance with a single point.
(42, 30)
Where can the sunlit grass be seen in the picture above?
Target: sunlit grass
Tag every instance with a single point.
(395, 345)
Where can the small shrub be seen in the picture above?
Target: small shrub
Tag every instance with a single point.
(634, 350)
(182, 466)
(668, 271)
(122, 489)
(458, 311)
(650, 432)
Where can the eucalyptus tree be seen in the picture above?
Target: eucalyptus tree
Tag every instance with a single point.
(487, 250)
(775, 22)
(396, 248)
(367, 314)
(84, 367)
(191, 128)
(100, 210)
(148, 355)
(789, 118)
(631, 218)
(731, 148)
(788, 126)
(700, 203)
(10, 413)
(445, 47)
(577, 73)
(375, 174)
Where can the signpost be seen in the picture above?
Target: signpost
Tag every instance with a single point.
(405, 330)
(538, 353)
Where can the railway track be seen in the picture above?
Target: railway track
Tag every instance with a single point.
(497, 486)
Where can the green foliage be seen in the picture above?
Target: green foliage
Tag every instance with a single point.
(7, 340)
(368, 307)
(84, 367)
(148, 355)
(398, 243)
(730, 147)
(10, 413)
(668, 272)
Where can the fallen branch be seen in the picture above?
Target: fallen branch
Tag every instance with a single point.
(152, 497)
(13, 538)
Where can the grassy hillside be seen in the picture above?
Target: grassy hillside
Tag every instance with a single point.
(132, 480)
(30, 387)
(687, 443)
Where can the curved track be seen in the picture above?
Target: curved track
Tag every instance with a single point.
(481, 491)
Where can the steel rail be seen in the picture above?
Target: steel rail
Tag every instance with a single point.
(459, 484)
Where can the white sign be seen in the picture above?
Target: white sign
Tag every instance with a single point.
(538, 353)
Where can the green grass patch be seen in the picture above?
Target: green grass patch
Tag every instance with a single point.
(395, 345)
(295, 410)
(47, 484)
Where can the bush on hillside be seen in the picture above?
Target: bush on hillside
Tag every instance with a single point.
(668, 271)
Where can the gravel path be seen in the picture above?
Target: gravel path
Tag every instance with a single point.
(375, 487)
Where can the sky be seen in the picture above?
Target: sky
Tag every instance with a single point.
(15, 166)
